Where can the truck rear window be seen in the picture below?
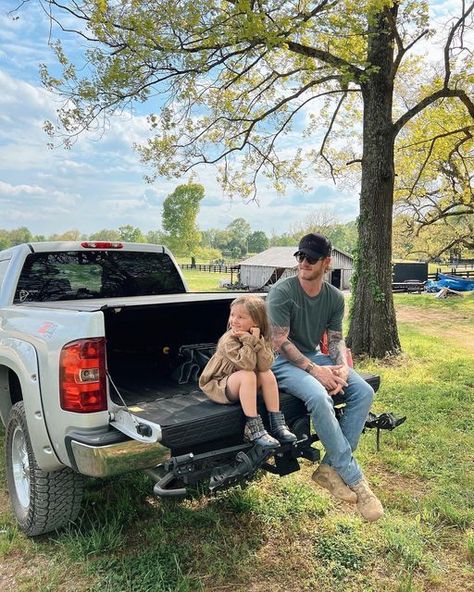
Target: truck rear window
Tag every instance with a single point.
(75, 275)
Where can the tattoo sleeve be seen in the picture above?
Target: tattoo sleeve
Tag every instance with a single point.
(283, 345)
(337, 347)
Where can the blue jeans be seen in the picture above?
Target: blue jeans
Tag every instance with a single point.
(339, 438)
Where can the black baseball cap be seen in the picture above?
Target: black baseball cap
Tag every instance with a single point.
(315, 245)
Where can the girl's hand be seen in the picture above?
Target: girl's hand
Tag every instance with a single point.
(255, 331)
(236, 333)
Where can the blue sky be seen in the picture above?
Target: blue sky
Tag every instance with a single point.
(99, 182)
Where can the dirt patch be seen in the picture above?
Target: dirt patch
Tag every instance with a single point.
(411, 314)
(396, 483)
(446, 324)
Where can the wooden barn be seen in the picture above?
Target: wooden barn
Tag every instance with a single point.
(264, 269)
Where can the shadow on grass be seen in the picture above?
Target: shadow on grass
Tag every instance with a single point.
(127, 540)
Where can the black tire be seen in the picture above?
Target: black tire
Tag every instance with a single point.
(42, 501)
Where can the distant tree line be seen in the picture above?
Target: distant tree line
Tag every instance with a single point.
(232, 243)
(179, 232)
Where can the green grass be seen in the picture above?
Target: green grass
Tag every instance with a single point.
(199, 281)
(286, 534)
(463, 303)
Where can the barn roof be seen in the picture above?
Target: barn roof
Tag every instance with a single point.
(273, 257)
(278, 257)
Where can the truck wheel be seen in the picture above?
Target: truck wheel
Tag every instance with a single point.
(41, 501)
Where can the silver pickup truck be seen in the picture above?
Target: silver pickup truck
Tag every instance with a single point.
(101, 346)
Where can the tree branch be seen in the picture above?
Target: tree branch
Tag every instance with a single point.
(325, 57)
(443, 93)
(328, 131)
(459, 23)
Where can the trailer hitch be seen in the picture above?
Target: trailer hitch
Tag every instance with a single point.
(189, 469)
(244, 466)
(224, 467)
(174, 468)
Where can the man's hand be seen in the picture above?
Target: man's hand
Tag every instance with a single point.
(329, 378)
(342, 372)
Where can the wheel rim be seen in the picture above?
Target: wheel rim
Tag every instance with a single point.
(21, 467)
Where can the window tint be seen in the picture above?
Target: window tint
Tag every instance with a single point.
(96, 274)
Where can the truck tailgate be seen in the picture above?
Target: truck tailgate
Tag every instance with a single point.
(191, 419)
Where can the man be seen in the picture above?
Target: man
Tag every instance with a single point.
(301, 309)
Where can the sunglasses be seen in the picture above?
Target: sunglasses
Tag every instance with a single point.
(300, 257)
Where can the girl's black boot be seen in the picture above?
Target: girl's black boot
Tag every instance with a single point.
(256, 433)
(279, 429)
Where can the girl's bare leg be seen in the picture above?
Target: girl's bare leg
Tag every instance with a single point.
(267, 382)
(242, 386)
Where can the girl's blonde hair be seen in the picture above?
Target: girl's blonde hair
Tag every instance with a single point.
(257, 309)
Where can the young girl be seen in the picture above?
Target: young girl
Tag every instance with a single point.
(241, 365)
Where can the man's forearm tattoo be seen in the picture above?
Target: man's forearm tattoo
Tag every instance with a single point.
(279, 336)
(283, 345)
(293, 354)
(337, 347)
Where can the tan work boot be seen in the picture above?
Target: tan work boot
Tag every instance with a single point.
(368, 503)
(328, 478)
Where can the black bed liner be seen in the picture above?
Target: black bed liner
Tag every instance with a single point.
(191, 419)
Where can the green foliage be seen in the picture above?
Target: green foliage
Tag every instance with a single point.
(131, 234)
(157, 569)
(208, 255)
(434, 197)
(257, 242)
(11, 539)
(155, 237)
(239, 231)
(106, 234)
(92, 537)
(343, 549)
(407, 542)
(233, 242)
(342, 236)
(180, 210)
(291, 499)
(215, 243)
(69, 235)
(377, 293)
(10, 238)
(470, 545)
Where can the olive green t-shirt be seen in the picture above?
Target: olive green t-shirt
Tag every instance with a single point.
(307, 317)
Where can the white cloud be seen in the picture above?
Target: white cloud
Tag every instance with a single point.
(24, 98)
(8, 189)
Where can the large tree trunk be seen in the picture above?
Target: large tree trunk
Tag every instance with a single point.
(373, 328)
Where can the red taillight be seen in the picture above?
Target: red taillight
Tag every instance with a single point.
(82, 380)
(101, 245)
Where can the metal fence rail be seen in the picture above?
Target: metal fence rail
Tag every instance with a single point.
(467, 274)
(209, 268)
